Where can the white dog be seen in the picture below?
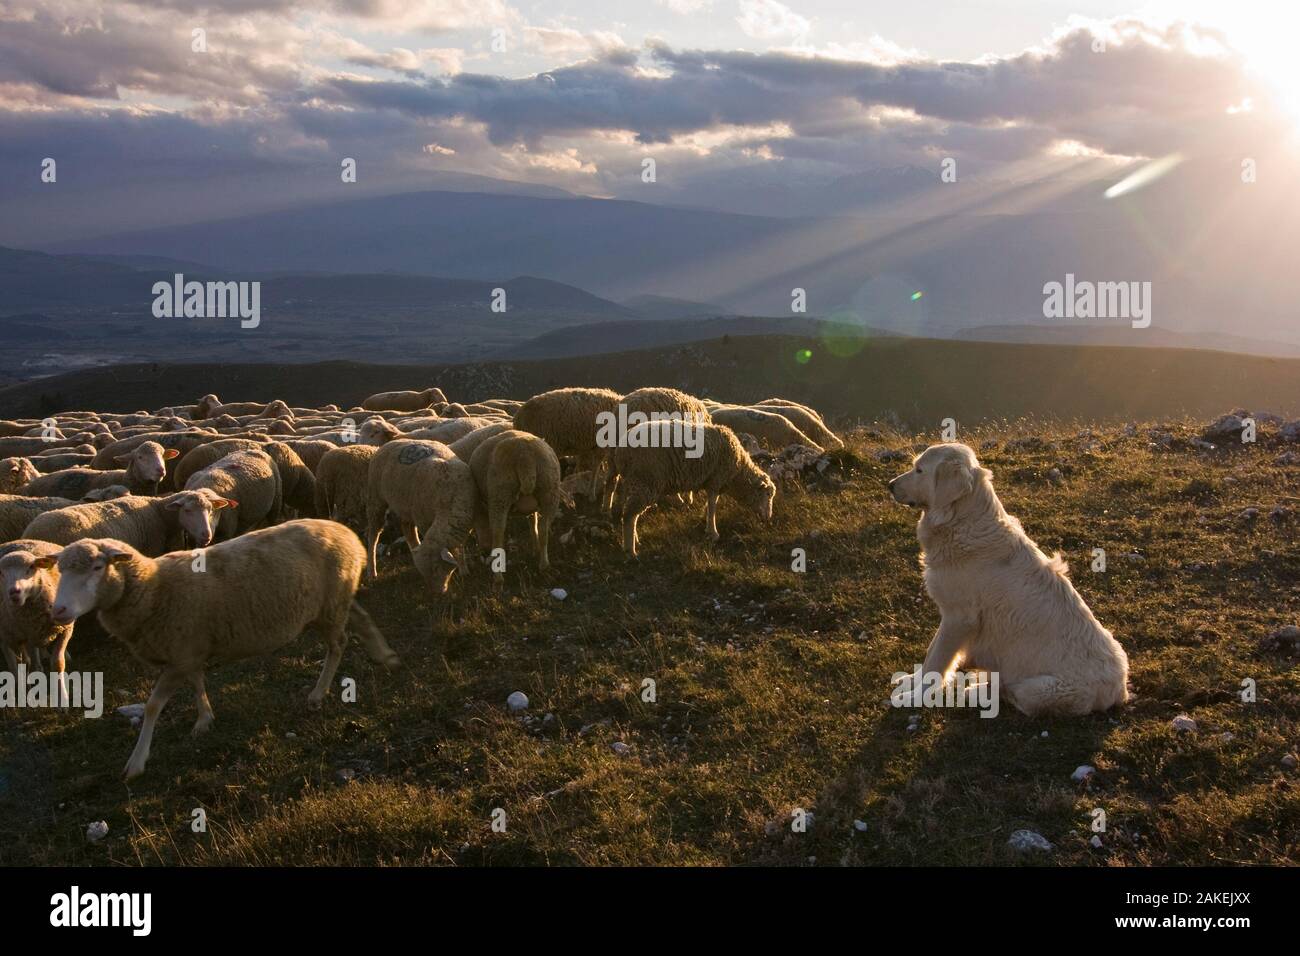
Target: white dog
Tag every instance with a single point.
(1005, 605)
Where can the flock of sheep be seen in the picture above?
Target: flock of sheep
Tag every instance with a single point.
(219, 531)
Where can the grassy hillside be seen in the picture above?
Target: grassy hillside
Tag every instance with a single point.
(772, 692)
(918, 381)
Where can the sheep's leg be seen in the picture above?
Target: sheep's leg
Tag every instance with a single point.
(498, 514)
(335, 638)
(168, 683)
(375, 514)
(59, 657)
(611, 487)
(11, 660)
(411, 534)
(542, 531)
(711, 515)
(201, 701)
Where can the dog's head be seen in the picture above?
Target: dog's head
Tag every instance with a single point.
(941, 476)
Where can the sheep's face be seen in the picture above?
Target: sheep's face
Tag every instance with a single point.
(196, 511)
(20, 578)
(14, 473)
(147, 464)
(436, 564)
(88, 578)
(757, 491)
(376, 431)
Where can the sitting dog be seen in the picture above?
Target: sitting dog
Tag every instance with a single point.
(1005, 606)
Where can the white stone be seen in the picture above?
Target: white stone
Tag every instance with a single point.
(559, 593)
(1183, 723)
(1083, 772)
(1026, 840)
(96, 831)
(517, 701)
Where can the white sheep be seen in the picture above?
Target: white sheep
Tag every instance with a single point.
(18, 511)
(516, 471)
(569, 420)
(769, 427)
(152, 526)
(464, 446)
(144, 467)
(249, 481)
(254, 595)
(403, 401)
(16, 472)
(342, 484)
(429, 488)
(806, 419)
(658, 461)
(26, 597)
(78, 455)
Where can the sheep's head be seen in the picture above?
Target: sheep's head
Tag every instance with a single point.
(195, 510)
(14, 473)
(436, 564)
(21, 577)
(376, 431)
(90, 576)
(205, 405)
(106, 494)
(146, 465)
(755, 490)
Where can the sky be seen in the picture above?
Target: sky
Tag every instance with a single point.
(148, 125)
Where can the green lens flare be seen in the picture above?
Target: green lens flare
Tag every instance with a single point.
(916, 295)
(803, 356)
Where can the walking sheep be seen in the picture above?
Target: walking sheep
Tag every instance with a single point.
(255, 595)
(429, 488)
(516, 471)
(657, 461)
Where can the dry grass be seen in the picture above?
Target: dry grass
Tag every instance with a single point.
(772, 694)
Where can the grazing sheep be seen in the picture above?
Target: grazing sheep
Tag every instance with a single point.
(311, 451)
(78, 456)
(342, 484)
(255, 595)
(427, 487)
(771, 429)
(18, 511)
(722, 468)
(152, 526)
(655, 404)
(16, 472)
(516, 471)
(568, 419)
(803, 418)
(250, 483)
(464, 446)
(403, 401)
(26, 596)
(146, 465)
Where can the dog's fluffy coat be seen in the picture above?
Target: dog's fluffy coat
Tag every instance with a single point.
(1005, 605)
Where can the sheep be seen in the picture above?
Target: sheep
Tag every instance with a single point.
(341, 484)
(656, 461)
(199, 457)
(254, 595)
(507, 405)
(145, 468)
(18, 511)
(24, 446)
(428, 487)
(655, 404)
(77, 456)
(209, 406)
(250, 483)
(311, 451)
(27, 597)
(770, 428)
(569, 420)
(403, 401)
(803, 418)
(376, 431)
(16, 472)
(152, 526)
(106, 494)
(464, 446)
(297, 483)
(450, 430)
(516, 471)
(182, 442)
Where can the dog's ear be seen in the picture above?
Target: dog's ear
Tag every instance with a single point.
(952, 481)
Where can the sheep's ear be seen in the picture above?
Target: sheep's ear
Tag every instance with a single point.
(171, 453)
(119, 557)
(122, 459)
(48, 561)
(225, 503)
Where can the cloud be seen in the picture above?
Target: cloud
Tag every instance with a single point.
(771, 20)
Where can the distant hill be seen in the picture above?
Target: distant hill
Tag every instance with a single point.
(607, 337)
(1077, 334)
(666, 307)
(922, 381)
